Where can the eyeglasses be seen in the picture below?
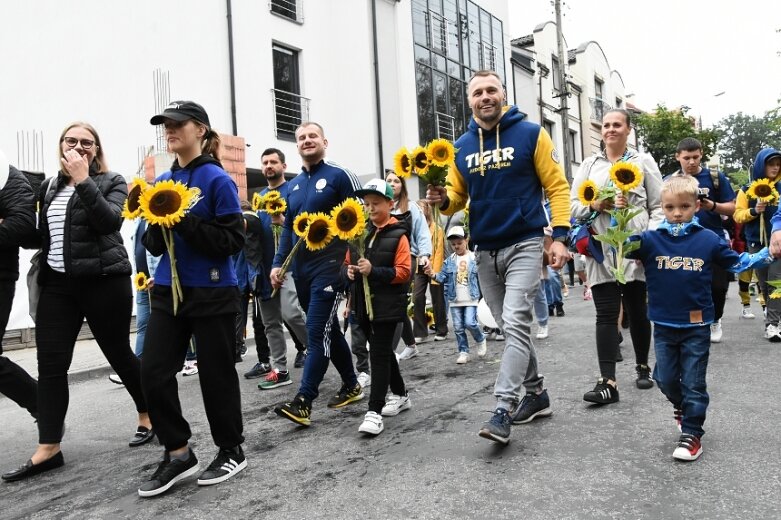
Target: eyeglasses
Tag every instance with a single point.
(72, 142)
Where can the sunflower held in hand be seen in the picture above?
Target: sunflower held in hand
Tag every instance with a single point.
(402, 163)
(132, 207)
(166, 202)
(625, 175)
(588, 192)
(348, 220)
(318, 232)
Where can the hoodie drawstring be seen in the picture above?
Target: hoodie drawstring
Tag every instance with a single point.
(496, 148)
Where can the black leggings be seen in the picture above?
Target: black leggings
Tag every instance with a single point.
(607, 300)
(385, 368)
(106, 303)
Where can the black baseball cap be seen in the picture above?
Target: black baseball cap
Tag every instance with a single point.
(182, 111)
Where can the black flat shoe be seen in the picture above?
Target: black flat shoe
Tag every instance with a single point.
(142, 436)
(28, 469)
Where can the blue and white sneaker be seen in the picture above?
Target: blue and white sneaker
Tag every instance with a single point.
(497, 428)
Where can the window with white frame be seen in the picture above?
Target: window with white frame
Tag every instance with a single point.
(290, 107)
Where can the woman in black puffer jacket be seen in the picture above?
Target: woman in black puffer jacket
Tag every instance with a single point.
(85, 273)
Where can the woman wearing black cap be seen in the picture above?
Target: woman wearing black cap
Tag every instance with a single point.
(85, 273)
(204, 241)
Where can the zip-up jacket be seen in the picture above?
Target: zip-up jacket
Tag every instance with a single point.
(745, 212)
(18, 220)
(388, 251)
(320, 189)
(506, 173)
(92, 244)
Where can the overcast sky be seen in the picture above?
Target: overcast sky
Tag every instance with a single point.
(678, 52)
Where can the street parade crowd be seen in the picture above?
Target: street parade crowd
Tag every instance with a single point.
(499, 229)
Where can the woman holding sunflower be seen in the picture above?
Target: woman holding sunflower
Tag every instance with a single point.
(420, 248)
(206, 232)
(85, 273)
(638, 184)
(754, 207)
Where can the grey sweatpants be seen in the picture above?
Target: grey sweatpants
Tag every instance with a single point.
(282, 307)
(509, 279)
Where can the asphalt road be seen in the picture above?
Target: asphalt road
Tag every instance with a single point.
(584, 462)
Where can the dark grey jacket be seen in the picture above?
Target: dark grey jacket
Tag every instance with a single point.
(92, 244)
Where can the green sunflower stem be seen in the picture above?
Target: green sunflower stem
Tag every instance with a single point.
(176, 286)
(276, 230)
(286, 264)
(367, 294)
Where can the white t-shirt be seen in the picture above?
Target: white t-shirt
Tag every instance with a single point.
(463, 298)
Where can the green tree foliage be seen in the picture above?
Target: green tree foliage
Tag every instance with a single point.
(662, 130)
(738, 178)
(744, 135)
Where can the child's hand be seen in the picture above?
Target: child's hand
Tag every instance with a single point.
(364, 267)
(429, 271)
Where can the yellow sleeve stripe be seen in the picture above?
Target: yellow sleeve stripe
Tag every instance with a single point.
(553, 180)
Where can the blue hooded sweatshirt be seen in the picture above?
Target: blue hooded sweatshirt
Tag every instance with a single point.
(506, 174)
(744, 206)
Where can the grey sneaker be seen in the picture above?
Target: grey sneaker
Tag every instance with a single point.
(497, 428)
(531, 407)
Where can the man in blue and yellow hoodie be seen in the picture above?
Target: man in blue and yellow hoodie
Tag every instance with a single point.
(755, 216)
(506, 167)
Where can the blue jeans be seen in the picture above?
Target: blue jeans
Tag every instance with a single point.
(320, 296)
(541, 306)
(465, 318)
(142, 317)
(553, 287)
(681, 367)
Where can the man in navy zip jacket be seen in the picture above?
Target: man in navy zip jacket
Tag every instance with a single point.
(319, 187)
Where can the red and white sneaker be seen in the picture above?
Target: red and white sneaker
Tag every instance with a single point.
(678, 416)
(689, 448)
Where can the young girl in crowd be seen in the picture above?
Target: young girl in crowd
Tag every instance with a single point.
(204, 241)
(387, 265)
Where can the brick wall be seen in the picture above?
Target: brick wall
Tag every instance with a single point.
(232, 159)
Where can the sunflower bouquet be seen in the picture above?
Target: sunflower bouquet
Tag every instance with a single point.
(348, 222)
(273, 204)
(776, 284)
(624, 177)
(763, 190)
(312, 230)
(165, 203)
(430, 163)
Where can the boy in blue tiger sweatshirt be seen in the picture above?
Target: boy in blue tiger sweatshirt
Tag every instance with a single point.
(679, 255)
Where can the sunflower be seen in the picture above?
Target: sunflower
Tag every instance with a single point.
(429, 318)
(441, 152)
(420, 160)
(301, 223)
(165, 203)
(762, 190)
(318, 232)
(132, 207)
(588, 192)
(402, 163)
(625, 175)
(348, 220)
(141, 282)
(275, 206)
(257, 201)
(271, 195)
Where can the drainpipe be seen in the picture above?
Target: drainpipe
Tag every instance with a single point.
(232, 75)
(377, 88)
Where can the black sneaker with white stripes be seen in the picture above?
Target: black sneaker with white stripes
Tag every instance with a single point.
(168, 472)
(603, 393)
(227, 463)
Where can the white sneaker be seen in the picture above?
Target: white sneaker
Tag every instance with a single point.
(542, 332)
(114, 378)
(394, 404)
(190, 367)
(422, 340)
(364, 379)
(499, 336)
(440, 338)
(372, 424)
(773, 333)
(716, 332)
(482, 348)
(408, 353)
(463, 357)
(746, 313)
